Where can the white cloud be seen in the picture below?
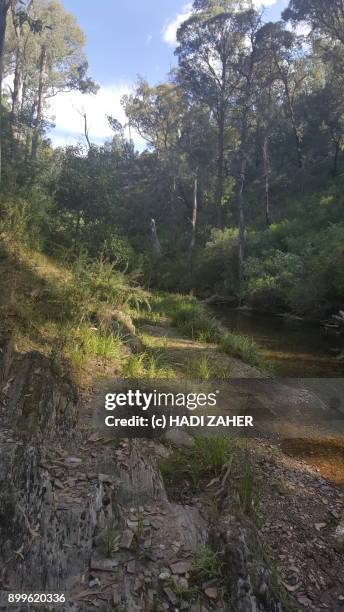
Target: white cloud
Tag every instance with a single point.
(303, 29)
(259, 3)
(69, 124)
(300, 29)
(169, 32)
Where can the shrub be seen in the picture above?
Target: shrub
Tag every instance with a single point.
(216, 268)
(104, 283)
(267, 281)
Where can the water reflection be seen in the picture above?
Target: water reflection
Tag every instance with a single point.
(295, 349)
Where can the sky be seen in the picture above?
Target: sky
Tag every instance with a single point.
(125, 39)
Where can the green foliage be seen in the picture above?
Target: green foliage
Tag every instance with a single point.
(204, 368)
(103, 282)
(108, 541)
(192, 318)
(243, 347)
(85, 343)
(247, 488)
(24, 217)
(147, 365)
(213, 452)
(217, 263)
(206, 565)
(277, 270)
(206, 459)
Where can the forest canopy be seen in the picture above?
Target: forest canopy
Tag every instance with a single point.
(239, 190)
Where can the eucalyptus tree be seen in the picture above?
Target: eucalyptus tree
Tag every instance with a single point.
(45, 57)
(292, 69)
(326, 17)
(209, 47)
(156, 115)
(4, 6)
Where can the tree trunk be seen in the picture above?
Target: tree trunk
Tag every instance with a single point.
(4, 6)
(241, 213)
(266, 170)
(242, 180)
(335, 158)
(291, 113)
(194, 217)
(15, 107)
(39, 111)
(154, 239)
(220, 168)
(173, 192)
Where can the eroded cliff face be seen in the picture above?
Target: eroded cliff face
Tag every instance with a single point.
(91, 519)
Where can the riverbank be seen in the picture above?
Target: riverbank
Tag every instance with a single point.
(96, 515)
(294, 347)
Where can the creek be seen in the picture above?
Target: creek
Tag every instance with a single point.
(294, 348)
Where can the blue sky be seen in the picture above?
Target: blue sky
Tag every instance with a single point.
(125, 38)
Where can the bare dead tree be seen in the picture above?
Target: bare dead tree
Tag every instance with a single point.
(154, 238)
(83, 114)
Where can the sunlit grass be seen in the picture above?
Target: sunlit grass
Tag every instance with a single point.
(85, 343)
(204, 368)
(193, 319)
(242, 347)
(147, 366)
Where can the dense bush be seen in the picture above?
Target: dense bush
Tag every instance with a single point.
(216, 268)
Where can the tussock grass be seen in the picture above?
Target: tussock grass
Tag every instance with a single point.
(147, 318)
(147, 365)
(247, 489)
(85, 343)
(206, 459)
(108, 541)
(206, 565)
(204, 369)
(191, 318)
(242, 347)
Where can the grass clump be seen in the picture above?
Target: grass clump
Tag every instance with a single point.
(206, 565)
(85, 343)
(206, 459)
(108, 542)
(213, 453)
(247, 489)
(191, 318)
(204, 369)
(184, 593)
(243, 347)
(147, 365)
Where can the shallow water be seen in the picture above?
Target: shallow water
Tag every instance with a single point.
(294, 348)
